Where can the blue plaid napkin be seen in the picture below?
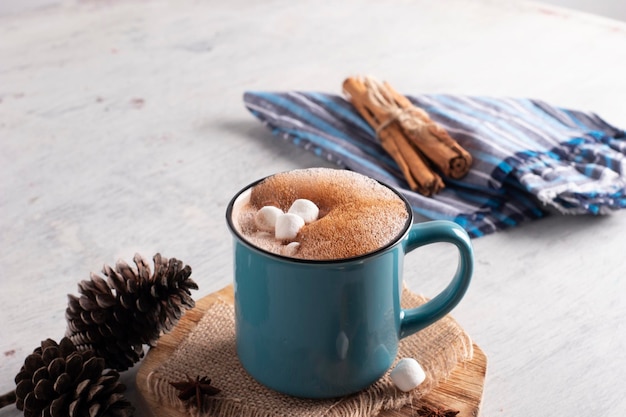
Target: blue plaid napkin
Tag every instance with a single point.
(530, 158)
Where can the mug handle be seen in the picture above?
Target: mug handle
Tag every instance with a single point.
(415, 319)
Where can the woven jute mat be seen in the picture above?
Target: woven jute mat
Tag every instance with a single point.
(209, 350)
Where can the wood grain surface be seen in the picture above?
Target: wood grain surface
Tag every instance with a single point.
(462, 391)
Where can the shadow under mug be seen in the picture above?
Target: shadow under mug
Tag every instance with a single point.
(322, 329)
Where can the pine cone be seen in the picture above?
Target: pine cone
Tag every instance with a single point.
(116, 317)
(59, 381)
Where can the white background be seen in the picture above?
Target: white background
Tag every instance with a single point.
(615, 9)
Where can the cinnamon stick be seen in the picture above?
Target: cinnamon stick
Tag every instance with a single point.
(412, 164)
(431, 139)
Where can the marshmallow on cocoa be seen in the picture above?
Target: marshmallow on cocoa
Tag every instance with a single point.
(265, 218)
(290, 249)
(287, 226)
(305, 209)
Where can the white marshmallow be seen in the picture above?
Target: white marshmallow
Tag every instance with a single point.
(407, 374)
(287, 226)
(305, 209)
(265, 218)
(290, 249)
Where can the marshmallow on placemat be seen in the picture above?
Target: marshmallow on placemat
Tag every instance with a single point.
(287, 226)
(305, 209)
(407, 374)
(265, 218)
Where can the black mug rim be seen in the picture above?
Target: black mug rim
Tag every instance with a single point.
(397, 239)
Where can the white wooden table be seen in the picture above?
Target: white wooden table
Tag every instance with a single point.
(122, 130)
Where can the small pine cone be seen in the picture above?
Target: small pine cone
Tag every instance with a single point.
(59, 381)
(131, 308)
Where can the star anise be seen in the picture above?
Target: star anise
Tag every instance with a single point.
(426, 411)
(195, 388)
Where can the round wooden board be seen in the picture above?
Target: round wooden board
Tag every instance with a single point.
(463, 391)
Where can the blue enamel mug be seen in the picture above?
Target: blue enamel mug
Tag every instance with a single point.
(322, 329)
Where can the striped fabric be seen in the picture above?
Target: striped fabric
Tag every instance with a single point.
(530, 158)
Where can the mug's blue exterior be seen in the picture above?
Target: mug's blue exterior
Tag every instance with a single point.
(321, 329)
(317, 329)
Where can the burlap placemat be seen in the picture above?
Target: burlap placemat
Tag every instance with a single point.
(209, 350)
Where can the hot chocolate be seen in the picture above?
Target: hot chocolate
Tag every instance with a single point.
(354, 214)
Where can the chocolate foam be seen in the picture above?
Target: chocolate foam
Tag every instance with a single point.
(357, 214)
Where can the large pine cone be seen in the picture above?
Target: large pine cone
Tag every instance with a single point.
(117, 317)
(59, 381)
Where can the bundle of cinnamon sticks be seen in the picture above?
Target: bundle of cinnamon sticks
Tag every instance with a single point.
(422, 149)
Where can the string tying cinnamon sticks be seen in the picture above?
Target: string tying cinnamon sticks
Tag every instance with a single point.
(409, 135)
